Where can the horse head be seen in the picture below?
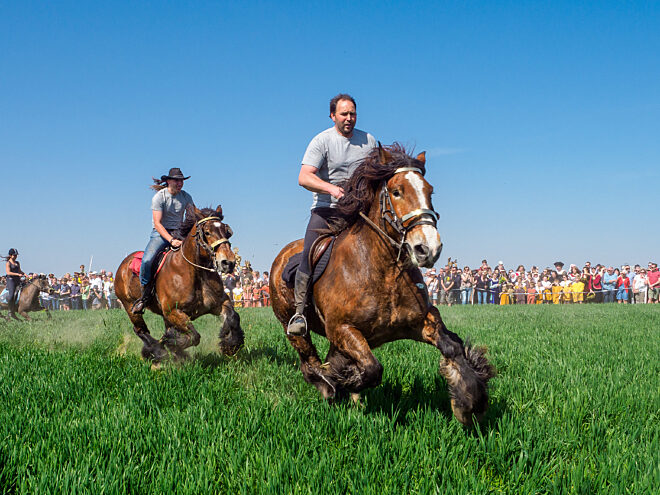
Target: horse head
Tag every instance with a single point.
(405, 202)
(213, 237)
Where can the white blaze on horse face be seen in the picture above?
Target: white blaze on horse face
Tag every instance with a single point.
(217, 225)
(423, 234)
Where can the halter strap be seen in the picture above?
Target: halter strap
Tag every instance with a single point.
(206, 219)
(218, 242)
(418, 212)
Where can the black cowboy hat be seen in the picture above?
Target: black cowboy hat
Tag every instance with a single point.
(174, 173)
(13, 252)
(558, 263)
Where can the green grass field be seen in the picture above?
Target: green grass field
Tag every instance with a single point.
(575, 408)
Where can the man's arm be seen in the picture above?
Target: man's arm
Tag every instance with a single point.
(308, 179)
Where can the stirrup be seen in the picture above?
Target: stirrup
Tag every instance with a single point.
(295, 316)
(138, 306)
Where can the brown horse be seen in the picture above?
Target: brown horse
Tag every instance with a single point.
(372, 290)
(187, 287)
(29, 298)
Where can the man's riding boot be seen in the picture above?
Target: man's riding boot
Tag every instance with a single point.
(140, 305)
(298, 324)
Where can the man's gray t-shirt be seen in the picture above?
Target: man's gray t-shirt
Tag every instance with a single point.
(173, 207)
(336, 157)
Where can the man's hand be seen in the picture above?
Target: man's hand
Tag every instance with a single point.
(175, 243)
(337, 192)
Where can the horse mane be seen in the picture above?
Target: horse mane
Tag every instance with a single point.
(192, 218)
(362, 186)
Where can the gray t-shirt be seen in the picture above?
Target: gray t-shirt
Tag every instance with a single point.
(173, 207)
(336, 157)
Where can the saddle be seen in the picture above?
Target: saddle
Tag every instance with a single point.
(319, 255)
(136, 262)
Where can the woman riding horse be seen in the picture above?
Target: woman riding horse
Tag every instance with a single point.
(372, 290)
(14, 274)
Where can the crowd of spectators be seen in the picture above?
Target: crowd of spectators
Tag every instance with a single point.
(589, 284)
(80, 291)
(447, 286)
(247, 288)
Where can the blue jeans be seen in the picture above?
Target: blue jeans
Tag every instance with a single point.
(465, 295)
(609, 295)
(482, 296)
(156, 245)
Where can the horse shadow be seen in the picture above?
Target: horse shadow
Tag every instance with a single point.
(391, 400)
(214, 360)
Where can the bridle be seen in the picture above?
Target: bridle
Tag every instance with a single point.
(200, 240)
(420, 216)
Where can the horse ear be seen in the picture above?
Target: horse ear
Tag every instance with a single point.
(218, 210)
(384, 156)
(421, 157)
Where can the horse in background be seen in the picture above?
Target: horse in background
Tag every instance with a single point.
(187, 287)
(29, 298)
(372, 291)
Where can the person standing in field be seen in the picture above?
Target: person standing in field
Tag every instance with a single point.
(168, 207)
(329, 160)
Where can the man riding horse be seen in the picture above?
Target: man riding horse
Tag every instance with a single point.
(330, 159)
(167, 208)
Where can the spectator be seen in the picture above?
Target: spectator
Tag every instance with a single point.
(75, 295)
(65, 295)
(467, 283)
(622, 285)
(640, 286)
(653, 276)
(608, 281)
(84, 293)
(482, 285)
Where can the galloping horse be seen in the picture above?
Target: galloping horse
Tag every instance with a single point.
(187, 287)
(372, 290)
(29, 298)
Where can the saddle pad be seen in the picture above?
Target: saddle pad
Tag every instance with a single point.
(289, 272)
(136, 262)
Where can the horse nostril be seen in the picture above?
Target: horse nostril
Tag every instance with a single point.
(421, 251)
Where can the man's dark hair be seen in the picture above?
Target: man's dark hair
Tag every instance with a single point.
(340, 96)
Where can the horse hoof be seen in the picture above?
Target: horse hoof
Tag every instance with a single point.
(229, 350)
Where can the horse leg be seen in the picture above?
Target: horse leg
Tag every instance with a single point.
(231, 334)
(180, 333)
(151, 348)
(465, 368)
(310, 364)
(350, 360)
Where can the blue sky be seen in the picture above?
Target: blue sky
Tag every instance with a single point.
(540, 119)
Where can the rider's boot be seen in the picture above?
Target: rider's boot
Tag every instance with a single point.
(12, 309)
(298, 324)
(140, 305)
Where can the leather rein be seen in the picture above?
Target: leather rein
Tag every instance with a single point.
(209, 248)
(420, 216)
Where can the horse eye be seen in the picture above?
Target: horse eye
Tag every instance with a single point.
(396, 193)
